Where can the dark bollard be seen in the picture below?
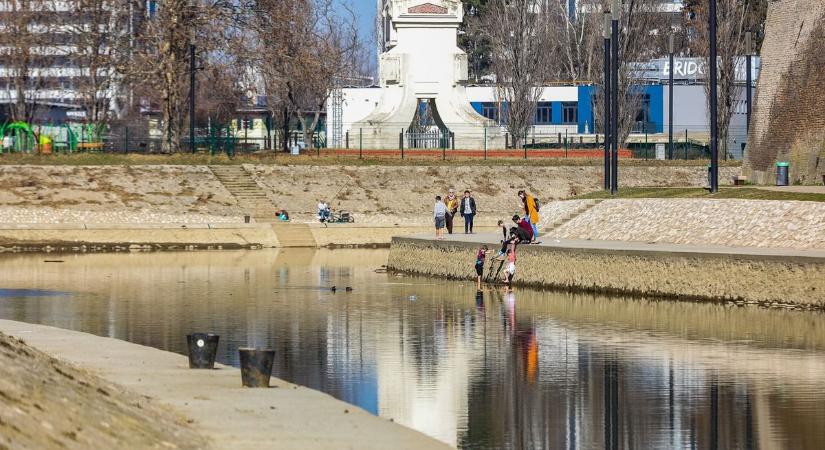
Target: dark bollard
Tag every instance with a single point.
(202, 350)
(256, 367)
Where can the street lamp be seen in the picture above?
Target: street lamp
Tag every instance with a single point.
(714, 118)
(614, 88)
(749, 49)
(670, 49)
(192, 97)
(607, 100)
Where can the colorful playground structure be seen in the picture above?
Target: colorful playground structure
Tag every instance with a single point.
(20, 137)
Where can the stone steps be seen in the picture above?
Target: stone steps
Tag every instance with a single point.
(294, 235)
(248, 193)
(567, 218)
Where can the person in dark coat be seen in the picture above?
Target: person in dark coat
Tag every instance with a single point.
(468, 211)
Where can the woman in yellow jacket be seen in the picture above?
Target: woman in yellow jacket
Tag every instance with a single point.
(452, 207)
(531, 212)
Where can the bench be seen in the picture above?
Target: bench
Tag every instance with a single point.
(91, 146)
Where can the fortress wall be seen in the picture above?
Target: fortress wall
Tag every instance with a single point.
(788, 123)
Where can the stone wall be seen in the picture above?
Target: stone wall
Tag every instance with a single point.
(725, 222)
(788, 122)
(757, 279)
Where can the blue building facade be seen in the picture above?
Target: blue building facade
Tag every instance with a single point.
(580, 113)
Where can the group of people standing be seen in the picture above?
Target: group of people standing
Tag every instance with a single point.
(447, 208)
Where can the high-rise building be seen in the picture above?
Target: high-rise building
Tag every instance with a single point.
(54, 56)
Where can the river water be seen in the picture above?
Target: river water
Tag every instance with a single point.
(528, 369)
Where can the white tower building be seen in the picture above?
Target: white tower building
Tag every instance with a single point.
(423, 75)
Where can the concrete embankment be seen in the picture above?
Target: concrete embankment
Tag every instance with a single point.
(124, 237)
(286, 416)
(68, 238)
(770, 277)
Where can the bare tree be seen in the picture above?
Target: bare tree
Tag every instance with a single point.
(160, 60)
(575, 41)
(734, 19)
(309, 44)
(99, 33)
(518, 32)
(25, 42)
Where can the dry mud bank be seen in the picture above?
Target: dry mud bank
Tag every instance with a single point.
(404, 194)
(374, 194)
(47, 403)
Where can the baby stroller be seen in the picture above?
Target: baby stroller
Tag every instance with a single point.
(340, 217)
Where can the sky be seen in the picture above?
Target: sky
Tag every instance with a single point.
(366, 16)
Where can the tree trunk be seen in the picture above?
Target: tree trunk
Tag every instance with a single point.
(285, 139)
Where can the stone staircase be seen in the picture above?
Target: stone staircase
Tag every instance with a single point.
(294, 234)
(250, 196)
(584, 207)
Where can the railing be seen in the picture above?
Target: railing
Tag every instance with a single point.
(435, 138)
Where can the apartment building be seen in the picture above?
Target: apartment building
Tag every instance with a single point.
(54, 57)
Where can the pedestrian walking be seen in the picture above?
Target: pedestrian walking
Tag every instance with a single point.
(439, 213)
(451, 201)
(468, 211)
(531, 212)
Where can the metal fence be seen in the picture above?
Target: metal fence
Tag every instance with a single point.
(440, 143)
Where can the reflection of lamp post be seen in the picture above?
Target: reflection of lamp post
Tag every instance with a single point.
(607, 100)
(614, 108)
(714, 119)
(670, 45)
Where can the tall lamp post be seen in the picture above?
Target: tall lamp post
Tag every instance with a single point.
(748, 79)
(608, 127)
(714, 118)
(192, 97)
(670, 48)
(614, 88)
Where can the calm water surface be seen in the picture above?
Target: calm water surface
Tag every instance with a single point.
(524, 370)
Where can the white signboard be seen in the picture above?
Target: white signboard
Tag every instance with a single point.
(660, 151)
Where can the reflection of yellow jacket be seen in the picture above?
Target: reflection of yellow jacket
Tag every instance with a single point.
(452, 204)
(531, 209)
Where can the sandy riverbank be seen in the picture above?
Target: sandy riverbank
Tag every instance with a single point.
(48, 403)
(212, 404)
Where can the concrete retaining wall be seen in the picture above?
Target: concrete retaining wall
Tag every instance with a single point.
(80, 237)
(763, 279)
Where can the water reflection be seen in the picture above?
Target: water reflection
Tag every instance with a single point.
(483, 369)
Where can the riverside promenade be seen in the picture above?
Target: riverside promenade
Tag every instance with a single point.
(285, 416)
(777, 277)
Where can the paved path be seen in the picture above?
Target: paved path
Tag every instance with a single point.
(795, 189)
(285, 416)
(548, 241)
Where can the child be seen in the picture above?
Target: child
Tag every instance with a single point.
(480, 258)
(507, 278)
(440, 214)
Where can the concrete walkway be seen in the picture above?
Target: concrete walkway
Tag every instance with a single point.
(494, 241)
(795, 189)
(285, 416)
